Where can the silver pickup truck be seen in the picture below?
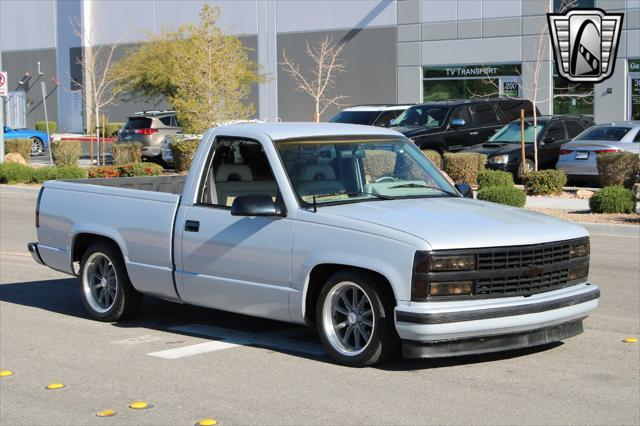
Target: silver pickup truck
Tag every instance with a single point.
(346, 227)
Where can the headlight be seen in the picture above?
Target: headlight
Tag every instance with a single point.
(579, 250)
(499, 159)
(444, 263)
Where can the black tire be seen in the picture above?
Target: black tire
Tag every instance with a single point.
(126, 301)
(383, 343)
(530, 167)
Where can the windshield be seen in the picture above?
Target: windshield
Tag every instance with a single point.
(603, 134)
(346, 171)
(512, 133)
(354, 117)
(422, 115)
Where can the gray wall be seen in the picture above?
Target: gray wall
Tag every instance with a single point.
(370, 55)
(17, 63)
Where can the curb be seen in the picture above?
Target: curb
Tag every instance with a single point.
(20, 189)
(608, 229)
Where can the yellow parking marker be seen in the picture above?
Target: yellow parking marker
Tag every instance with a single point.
(5, 373)
(106, 413)
(54, 386)
(630, 340)
(139, 405)
(206, 422)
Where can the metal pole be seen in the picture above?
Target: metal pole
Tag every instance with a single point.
(46, 117)
(2, 119)
(522, 134)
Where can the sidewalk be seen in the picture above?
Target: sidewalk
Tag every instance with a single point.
(557, 203)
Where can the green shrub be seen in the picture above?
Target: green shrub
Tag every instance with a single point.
(464, 167)
(544, 182)
(509, 195)
(15, 173)
(58, 173)
(434, 156)
(19, 146)
(111, 130)
(66, 153)
(140, 169)
(126, 153)
(378, 163)
(42, 126)
(183, 152)
(613, 199)
(618, 168)
(487, 178)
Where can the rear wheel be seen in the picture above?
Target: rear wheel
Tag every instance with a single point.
(106, 291)
(36, 147)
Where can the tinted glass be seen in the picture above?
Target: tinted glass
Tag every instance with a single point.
(423, 115)
(511, 109)
(556, 131)
(166, 120)
(463, 113)
(573, 128)
(485, 114)
(385, 118)
(355, 117)
(637, 138)
(138, 123)
(604, 134)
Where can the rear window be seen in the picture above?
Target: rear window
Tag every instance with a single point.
(138, 123)
(511, 109)
(354, 117)
(604, 134)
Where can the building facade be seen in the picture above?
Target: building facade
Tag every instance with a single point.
(396, 51)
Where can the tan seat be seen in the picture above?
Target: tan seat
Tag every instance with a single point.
(317, 179)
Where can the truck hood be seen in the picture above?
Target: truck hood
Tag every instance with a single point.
(452, 223)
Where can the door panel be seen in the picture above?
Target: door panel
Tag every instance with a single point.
(487, 121)
(549, 151)
(461, 137)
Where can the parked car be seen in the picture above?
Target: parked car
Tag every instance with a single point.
(374, 115)
(578, 157)
(302, 222)
(150, 128)
(504, 149)
(40, 139)
(457, 124)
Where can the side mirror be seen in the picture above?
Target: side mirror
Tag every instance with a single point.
(457, 122)
(549, 139)
(255, 205)
(465, 189)
(380, 124)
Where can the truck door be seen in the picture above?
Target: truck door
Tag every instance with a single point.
(461, 136)
(238, 264)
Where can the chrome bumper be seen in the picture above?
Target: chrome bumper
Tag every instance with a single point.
(33, 249)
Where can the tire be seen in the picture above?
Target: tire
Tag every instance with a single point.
(373, 338)
(36, 147)
(529, 165)
(112, 298)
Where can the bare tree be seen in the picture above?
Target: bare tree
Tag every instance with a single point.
(318, 81)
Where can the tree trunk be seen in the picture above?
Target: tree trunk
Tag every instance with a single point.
(97, 118)
(535, 138)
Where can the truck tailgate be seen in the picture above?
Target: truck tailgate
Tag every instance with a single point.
(140, 222)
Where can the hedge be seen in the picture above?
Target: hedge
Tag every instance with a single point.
(126, 153)
(126, 170)
(488, 178)
(464, 167)
(66, 153)
(19, 146)
(613, 199)
(19, 173)
(15, 173)
(42, 126)
(618, 168)
(434, 156)
(544, 182)
(183, 152)
(509, 195)
(111, 130)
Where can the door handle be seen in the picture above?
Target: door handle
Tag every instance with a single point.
(191, 226)
(474, 133)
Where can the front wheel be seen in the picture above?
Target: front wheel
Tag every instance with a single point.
(529, 166)
(36, 147)
(355, 320)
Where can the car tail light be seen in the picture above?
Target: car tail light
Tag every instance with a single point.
(565, 151)
(604, 151)
(146, 132)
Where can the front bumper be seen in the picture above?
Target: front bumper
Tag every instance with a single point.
(33, 249)
(436, 329)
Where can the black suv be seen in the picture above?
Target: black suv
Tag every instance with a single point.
(504, 149)
(457, 124)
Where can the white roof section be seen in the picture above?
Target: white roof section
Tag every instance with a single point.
(378, 107)
(280, 131)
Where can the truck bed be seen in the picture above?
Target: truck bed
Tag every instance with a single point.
(168, 184)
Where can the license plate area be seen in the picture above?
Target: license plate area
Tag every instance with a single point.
(582, 155)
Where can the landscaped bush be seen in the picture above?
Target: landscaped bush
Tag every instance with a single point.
(487, 178)
(126, 170)
(509, 195)
(544, 182)
(619, 168)
(613, 199)
(19, 146)
(111, 130)
(42, 126)
(15, 173)
(434, 156)
(183, 152)
(104, 172)
(378, 163)
(66, 153)
(464, 167)
(57, 173)
(126, 153)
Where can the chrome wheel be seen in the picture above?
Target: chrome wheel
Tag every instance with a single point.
(529, 166)
(100, 282)
(36, 147)
(348, 318)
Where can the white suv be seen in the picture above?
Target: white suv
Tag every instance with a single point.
(374, 115)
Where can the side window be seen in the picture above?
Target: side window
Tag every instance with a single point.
(463, 113)
(385, 117)
(555, 132)
(637, 138)
(485, 114)
(511, 109)
(166, 120)
(238, 167)
(573, 129)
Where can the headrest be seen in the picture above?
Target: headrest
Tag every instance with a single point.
(317, 172)
(233, 172)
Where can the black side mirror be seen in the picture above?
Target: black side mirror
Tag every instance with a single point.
(549, 139)
(465, 189)
(255, 205)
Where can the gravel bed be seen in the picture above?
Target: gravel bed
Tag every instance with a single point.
(587, 216)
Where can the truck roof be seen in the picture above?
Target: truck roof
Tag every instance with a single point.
(280, 131)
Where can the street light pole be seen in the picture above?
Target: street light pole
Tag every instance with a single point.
(46, 117)
(2, 119)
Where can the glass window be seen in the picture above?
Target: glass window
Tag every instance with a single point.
(138, 123)
(555, 132)
(511, 109)
(439, 90)
(573, 128)
(463, 113)
(572, 98)
(423, 115)
(637, 138)
(561, 6)
(238, 167)
(512, 133)
(166, 120)
(354, 117)
(603, 133)
(485, 114)
(346, 171)
(386, 117)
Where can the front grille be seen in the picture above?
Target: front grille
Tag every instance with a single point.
(517, 285)
(511, 258)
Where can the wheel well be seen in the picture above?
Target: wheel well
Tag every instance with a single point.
(83, 241)
(319, 275)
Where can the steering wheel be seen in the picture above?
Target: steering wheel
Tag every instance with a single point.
(385, 179)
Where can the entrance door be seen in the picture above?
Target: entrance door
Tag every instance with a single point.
(17, 110)
(510, 87)
(634, 96)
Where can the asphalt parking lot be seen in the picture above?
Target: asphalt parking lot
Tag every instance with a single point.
(190, 363)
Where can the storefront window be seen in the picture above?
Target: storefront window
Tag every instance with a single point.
(438, 90)
(470, 81)
(561, 6)
(572, 98)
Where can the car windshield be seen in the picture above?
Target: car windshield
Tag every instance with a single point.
(423, 116)
(512, 133)
(603, 134)
(350, 170)
(355, 117)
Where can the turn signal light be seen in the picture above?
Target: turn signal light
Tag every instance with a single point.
(453, 288)
(565, 151)
(577, 274)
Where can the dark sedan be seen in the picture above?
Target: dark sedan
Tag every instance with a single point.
(503, 150)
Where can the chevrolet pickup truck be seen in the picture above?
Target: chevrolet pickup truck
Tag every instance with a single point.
(346, 227)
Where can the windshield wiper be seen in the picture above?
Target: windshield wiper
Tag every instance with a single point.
(350, 194)
(419, 185)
